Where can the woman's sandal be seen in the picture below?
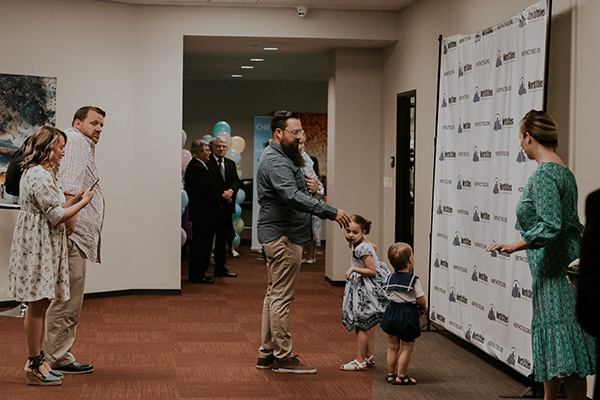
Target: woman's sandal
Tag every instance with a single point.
(391, 378)
(404, 380)
(35, 376)
(354, 365)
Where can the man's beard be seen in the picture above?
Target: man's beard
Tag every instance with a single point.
(292, 151)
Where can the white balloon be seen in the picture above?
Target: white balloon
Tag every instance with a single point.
(234, 155)
(224, 136)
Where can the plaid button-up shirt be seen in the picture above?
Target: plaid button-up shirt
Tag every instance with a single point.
(78, 171)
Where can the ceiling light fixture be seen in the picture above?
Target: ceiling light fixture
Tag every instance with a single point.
(257, 59)
(270, 48)
(247, 67)
(236, 76)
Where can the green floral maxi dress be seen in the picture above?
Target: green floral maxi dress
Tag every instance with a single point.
(547, 215)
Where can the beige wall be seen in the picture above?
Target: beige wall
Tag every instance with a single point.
(129, 61)
(353, 157)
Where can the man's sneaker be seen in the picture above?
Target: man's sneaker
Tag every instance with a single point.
(265, 363)
(292, 365)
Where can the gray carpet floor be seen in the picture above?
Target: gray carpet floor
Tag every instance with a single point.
(446, 368)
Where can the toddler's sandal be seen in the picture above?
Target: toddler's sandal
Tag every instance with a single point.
(404, 380)
(391, 378)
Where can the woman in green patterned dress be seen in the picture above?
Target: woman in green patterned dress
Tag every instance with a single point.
(551, 233)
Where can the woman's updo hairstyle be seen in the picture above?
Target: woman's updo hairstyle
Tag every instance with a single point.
(364, 224)
(541, 127)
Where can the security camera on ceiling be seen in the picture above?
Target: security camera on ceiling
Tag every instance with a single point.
(302, 10)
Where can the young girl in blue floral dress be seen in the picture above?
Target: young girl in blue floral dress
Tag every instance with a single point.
(365, 299)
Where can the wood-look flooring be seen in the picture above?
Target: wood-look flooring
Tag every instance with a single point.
(203, 345)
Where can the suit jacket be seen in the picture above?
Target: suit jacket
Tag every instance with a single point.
(231, 181)
(588, 293)
(204, 199)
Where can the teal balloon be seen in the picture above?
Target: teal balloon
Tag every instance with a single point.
(240, 197)
(184, 201)
(237, 213)
(221, 126)
(207, 138)
(236, 241)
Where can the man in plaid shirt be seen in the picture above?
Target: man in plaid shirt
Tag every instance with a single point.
(77, 171)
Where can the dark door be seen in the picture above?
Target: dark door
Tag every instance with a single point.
(405, 166)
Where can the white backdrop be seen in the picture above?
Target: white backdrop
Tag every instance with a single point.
(488, 81)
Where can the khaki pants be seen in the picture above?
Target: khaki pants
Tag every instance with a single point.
(283, 266)
(62, 316)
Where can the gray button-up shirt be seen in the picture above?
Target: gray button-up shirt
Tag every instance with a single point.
(285, 204)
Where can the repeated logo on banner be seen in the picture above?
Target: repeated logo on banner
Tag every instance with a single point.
(488, 82)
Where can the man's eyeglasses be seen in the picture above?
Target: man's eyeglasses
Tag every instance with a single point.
(297, 133)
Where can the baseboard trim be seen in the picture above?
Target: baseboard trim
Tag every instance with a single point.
(115, 293)
(335, 283)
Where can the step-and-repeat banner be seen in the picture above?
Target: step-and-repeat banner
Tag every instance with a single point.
(488, 81)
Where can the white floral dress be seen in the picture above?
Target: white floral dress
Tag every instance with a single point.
(38, 266)
(365, 298)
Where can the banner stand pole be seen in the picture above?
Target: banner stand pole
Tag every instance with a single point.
(437, 115)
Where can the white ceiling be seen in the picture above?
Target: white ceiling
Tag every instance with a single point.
(382, 5)
(217, 58)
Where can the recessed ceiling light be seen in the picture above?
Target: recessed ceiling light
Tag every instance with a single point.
(236, 76)
(247, 66)
(257, 59)
(270, 48)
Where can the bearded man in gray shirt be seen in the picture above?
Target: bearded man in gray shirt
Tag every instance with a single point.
(284, 226)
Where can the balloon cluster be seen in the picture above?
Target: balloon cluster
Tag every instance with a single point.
(236, 145)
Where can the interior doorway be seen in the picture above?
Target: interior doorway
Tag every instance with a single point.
(406, 106)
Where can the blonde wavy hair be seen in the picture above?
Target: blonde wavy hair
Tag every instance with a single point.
(40, 148)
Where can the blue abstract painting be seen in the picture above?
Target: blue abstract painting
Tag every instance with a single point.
(26, 103)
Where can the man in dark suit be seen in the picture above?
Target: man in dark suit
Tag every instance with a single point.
(204, 206)
(588, 295)
(224, 173)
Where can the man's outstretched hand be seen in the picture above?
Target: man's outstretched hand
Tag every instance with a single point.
(342, 219)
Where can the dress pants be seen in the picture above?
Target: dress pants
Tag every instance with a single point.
(203, 234)
(62, 316)
(283, 265)
(224, 233)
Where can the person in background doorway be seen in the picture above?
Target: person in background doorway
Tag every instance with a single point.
(227, 182)
(204, 206)
(317, 191)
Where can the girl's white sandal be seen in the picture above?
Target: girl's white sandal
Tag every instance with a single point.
(354, 365)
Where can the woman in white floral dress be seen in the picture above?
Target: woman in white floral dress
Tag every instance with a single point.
(38, 269)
